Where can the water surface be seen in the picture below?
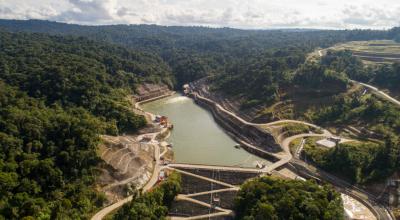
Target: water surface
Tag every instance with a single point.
(196, 137)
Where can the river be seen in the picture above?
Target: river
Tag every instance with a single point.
(196, 137)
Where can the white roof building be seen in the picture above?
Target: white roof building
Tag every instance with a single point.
(326, 143)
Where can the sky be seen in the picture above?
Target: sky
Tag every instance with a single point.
(245, 14)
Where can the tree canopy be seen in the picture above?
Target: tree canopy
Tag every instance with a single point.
(57, 95)
(152, 205)
(273, 198)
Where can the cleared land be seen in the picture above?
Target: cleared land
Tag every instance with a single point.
(379, 51)
(127, 161)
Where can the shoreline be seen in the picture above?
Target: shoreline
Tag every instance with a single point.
(234, 133)
(105, 211)
(227, 129)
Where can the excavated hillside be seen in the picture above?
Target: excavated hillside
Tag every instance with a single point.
(129, 163)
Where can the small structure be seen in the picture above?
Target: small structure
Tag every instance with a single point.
(157, 118)
(161, 176)
(299, 178)
(163, 120)
(329, 142)
(259, 165)
(186, 89)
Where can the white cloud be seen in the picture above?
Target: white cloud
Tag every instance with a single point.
(233, 13)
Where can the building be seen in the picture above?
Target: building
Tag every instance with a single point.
(328, 142)
(161, 176)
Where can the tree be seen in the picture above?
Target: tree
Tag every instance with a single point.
(273, 198)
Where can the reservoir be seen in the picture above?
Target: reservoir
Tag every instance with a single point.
(196, 137)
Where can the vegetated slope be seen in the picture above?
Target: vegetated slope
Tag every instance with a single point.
(271, 198)
(57, 95)
(384, 75)
(195, 52)
(282, 86)
(46, 158)
(153, 204)
(76, 72)
(365, 161)
(376, 156)
(321, 92)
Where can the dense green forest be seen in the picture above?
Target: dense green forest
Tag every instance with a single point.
(194, 52)
(279, 199)
(57, 95)
(47, 155)
(152, 205)
(76, 72)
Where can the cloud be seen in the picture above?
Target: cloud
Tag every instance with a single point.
(89, 11)
(366, 16)
(233, 13)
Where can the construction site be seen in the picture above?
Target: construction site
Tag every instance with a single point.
(208, 190)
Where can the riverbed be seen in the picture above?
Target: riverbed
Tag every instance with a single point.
(196, 137)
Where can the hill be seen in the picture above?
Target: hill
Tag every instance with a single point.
(272, 198)
(57, 95)
(195, 52)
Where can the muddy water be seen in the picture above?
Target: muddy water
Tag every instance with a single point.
(196, 137)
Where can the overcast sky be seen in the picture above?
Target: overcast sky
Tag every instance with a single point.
(249, 14)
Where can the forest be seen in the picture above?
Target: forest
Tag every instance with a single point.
(279, 199)
(57, 95)
(195, 52)
(63, 85)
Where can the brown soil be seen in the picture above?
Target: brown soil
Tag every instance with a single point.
(125, 162)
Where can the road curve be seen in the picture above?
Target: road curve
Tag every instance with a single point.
(379, 93)
(286, 142)
(152, 181)
(222, 212)
(257, 124)
(373, 88)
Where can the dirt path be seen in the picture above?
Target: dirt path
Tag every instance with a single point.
(374, 89)
(379, 93)
(152, 181)
(212, 191)
(285, 145)
(204, 178)
(222, 212)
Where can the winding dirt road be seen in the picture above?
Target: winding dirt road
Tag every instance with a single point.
(152, 181)
(379, 93)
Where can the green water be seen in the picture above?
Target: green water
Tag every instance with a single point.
(196, 137)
